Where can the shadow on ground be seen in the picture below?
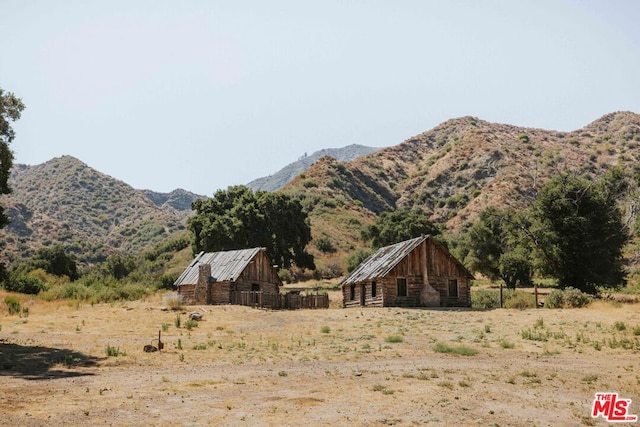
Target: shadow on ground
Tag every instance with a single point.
(39, 363)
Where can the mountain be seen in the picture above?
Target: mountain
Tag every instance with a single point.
(178, 199)
(451, 172)
(283, 176)
(65, 201)
(454, 171)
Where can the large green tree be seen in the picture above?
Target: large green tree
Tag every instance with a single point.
(577, 229)
(54, 260)
(495, 247)
(10, 109)
(238, 218)
(397, 226)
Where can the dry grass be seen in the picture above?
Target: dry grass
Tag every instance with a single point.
(243, 366)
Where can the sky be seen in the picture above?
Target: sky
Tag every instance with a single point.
(202, 95)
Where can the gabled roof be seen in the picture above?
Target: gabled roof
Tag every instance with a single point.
(225, 266)
(380, 263)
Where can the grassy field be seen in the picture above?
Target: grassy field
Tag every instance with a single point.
(66, 363)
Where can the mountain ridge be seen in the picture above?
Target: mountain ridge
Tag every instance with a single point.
(286, 174)
(450, 173)
(454, 171)
(93, 214)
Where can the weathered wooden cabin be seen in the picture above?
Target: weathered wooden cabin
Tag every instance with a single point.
(215, 277)
(415, 273)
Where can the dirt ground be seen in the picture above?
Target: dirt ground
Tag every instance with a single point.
(336, 367)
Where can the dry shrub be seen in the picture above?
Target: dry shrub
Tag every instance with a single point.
(173, 302)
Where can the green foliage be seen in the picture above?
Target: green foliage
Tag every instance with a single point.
(519, 300)
(24, 283)
(394, 339)
(10, 110)
(54, 260)
(574, 298)
(459, 350)
(190, 324)
(95, 290)
(285, 275)
(13, 305)
(506, 344)
(620, 326)
(167, 247)
(494, 247)
(578, 230)
(114, 351)
(397, 226)
(483, 300)
(324, 244)
(119, 266)
(73, 291)
(554, 299)
(238, 218)
(573, 232)
(167, 281)
(567, 298)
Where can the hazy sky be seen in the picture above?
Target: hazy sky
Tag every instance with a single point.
(201, 95)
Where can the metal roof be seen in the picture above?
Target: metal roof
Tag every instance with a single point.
(225, 266)
(380, 263)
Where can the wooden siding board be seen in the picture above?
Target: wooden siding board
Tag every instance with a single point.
(187, 293)
(421, 261)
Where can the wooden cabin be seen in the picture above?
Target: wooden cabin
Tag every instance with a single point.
(415, 273)
(215, 277)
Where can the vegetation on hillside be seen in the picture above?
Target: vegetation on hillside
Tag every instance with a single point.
(459, 169)
(63, 201)
(456, 179)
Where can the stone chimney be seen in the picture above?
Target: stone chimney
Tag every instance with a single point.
(202, 290)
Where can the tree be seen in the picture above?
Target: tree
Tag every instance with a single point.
(398, 226)
(578, 232)
(10, 109)
(494, 247)
(27, 274)
(238, 218)
(56, 261)
(119, 266)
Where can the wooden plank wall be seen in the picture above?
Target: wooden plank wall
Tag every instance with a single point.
(369, 300)
(391, 297)
(220, 292)
(187, 293)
